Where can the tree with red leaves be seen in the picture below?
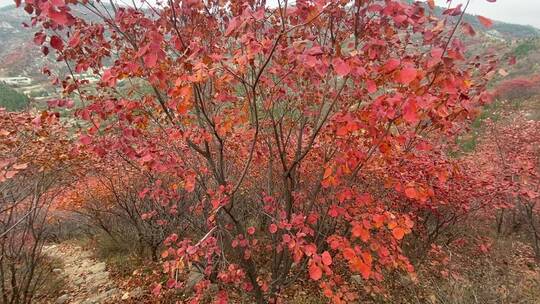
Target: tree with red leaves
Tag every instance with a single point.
(302, 140)
(35, 168)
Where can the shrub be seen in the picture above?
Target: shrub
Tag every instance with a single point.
(11, 99)
(518, 88)
(31, 178)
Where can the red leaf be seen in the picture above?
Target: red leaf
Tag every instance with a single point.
(360, 232)
(437, 52)
(371, 86)
(156, 290)
(251, 230)
(75, 39)
(272, 228)
(341, 67)
(150, 59)
(410, 112)
(411, 192)
(60, 17)
(349, 254)
(398, 233)
(39, 38)
(358, 266)
(326, 258)
(391, 65)
(409, 223)
(11, 174)
(233, 25)
(486, 22)
(455, 11)
(406, 75)
(189, 185)
(85, 140)
(58, 3)
(57, 43)
(315, 272)
(310, 249)
(468, 29)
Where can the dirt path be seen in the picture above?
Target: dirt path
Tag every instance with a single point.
(87, 280)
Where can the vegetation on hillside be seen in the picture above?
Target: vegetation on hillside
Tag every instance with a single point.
(11, 99)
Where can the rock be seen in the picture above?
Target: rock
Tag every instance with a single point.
(133, 294)
(98, 278)
(78, 281)
(62, 299)
(111, 293)
(125, 296)
(57, 271)
(101, 297)
(99, 267)
(357, 279)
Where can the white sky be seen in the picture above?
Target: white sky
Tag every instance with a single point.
(512, 11)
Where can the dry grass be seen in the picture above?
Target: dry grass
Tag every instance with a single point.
(506, 273)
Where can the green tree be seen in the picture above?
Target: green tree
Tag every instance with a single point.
(11, 99)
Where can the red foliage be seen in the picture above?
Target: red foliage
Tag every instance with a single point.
(296, 142)
(518, 88)
(35, 167)
(508, 157)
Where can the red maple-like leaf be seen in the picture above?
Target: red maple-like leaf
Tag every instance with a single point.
(57, 43)
(315, 272)
(341, 67)
(486, 22)
(406, 75)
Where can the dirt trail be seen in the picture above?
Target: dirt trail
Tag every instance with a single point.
(88, 281)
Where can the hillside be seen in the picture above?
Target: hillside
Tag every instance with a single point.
(18, 54)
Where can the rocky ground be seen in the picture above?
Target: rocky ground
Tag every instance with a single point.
(87, 280)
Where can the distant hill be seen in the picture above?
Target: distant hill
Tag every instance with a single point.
(504, 30)
(18, 54)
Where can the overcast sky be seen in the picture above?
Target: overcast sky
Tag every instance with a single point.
(513, 11)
